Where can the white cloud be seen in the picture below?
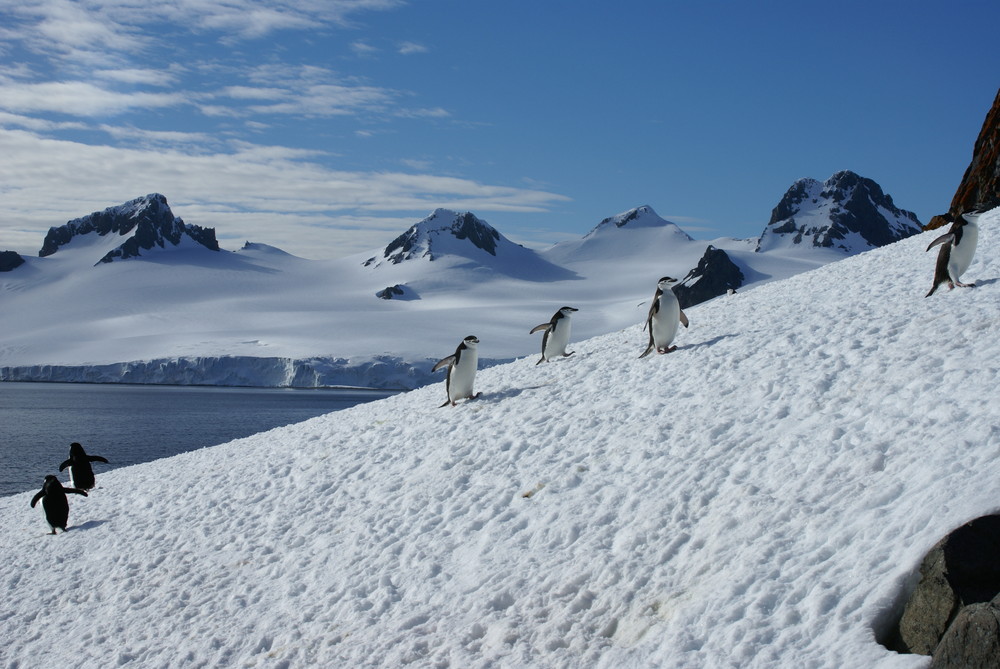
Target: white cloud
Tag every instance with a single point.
(79, 98)
(134, 75)
(363, 48)
(48, 181)
(408, 48)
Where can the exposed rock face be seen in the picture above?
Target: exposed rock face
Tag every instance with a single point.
(980, 186)
(148, 219)
(961, 570)
(463, 241)
(425, 238)
(846, 212)
(9, 260)
(397, 292)
(716, 274)
(973, 640)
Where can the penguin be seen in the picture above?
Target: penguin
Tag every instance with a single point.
(958, 246)
(556, 336)
(664, 315)
(54, 502)
(461, 371)
(81, 475)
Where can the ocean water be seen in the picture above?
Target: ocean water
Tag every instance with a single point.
(129, 424)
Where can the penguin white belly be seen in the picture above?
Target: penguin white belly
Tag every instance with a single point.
(961, 256)
(462, 376)
(556, 341)
(665, 321)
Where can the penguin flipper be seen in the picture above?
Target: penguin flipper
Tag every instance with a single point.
(684, 318)
(654, 308)
(444, 362)
(649, 349)
(943, 239)
(539, 328)
(65, 465)
(38, 495)
(97, 458)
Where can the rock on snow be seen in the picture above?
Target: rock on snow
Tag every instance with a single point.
(762, 497)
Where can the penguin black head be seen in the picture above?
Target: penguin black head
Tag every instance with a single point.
(76, 450)
(666, 281)
(471, 340)
(51, 483)
(566, 311)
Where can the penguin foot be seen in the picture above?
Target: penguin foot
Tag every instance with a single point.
(566, 355)
(965, 285)
(669, 349)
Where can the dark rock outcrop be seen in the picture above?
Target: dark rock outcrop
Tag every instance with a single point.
(980, 186)
(973, 640)
(716, 274)
(847, 212)
(397, 292)
(961, 570)
(148, 219)
(10, 260)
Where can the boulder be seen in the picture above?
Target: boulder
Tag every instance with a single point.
(973, 639)
(961, 570)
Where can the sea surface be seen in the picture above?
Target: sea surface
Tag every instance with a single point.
(131, 424)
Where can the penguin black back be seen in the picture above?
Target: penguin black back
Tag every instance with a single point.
(80, 472)
(54, 502)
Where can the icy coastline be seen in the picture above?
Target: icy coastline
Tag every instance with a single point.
(379, 372)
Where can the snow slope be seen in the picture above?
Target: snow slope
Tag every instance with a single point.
(260, 316)
(760, 498)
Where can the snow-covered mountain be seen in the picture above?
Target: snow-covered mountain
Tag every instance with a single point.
(846, 212)
(143, 224)
(760, 498)
(464, 241)
(628, 235)
(183, 312)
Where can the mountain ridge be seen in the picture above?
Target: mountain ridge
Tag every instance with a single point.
(148, 220)
(455, 275)
(846, 212)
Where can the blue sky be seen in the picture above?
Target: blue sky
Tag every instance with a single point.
(327, 127)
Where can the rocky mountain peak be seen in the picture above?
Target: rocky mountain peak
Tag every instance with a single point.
(437, 235)
(147, 222)
(847, 212)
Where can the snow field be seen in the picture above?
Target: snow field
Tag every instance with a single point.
(760, 498)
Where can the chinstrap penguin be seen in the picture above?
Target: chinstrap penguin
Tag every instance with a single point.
(461, 370)
(958, 246)
(664, 316)
(81, 474)
(556, 336)
(54, 502)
